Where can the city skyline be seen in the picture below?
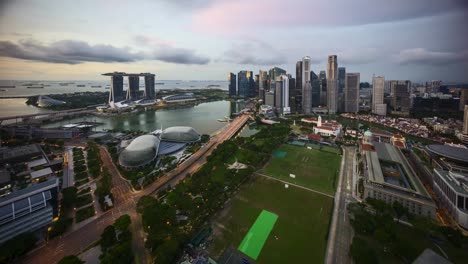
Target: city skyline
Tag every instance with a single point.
(394, 39)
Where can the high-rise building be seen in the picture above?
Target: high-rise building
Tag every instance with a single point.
(245, 84)
(378, 86)
(292, 94)
(282, 94)
(352, 81)
(133, 89)
(150, 92)
(315, 83)
(256, 85)
(306, 87)
(275, 72)
(322, 75)
(323, 88)
(463, 99)
(262, 84)
(341, 79)
(298, 94)
(116, 93)
(401, 97)
(435, 86)
(232, 84)
(332, 84)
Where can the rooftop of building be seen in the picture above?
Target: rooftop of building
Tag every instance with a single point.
(31, 190)
(388, 166)
(4, 177)
(458, 181)
(17, 152)
(127, 74)
(451, 152)
(381, 133)
(41, 173)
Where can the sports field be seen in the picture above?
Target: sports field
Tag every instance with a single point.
(299, 234)
(254, 240)
(313, 168)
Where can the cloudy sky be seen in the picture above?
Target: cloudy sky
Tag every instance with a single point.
(205, 39)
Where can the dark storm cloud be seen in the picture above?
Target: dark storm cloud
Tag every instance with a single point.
(180, 56)
(75, 52)
(426, 57)
(66, 51)
(254, 52)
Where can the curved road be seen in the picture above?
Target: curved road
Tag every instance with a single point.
(74, 242)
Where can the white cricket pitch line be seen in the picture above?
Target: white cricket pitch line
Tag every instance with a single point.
(295, 185)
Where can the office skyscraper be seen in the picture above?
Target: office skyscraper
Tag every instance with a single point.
(378, 86)
(401, 97)
(352, 81)
(275, 72)
(245, 84)
(463, 99)
(133, 87)
(323, 88)
(150, 92)
(282, 94)
(292, 94)
(116, 93)
(315, 83)
(256, 85)
(332, 84)
(341, 79)
(262, 84)
(232, 84)
(306, 87)
(298, 95)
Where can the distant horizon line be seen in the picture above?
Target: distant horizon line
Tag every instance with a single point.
(179, 80)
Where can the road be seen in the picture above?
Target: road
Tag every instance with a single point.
(125, 201)
(341, 232)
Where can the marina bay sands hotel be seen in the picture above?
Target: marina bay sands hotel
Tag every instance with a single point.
(117, 92)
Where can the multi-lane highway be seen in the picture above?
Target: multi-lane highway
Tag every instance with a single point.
(125, 203)
(341, 232)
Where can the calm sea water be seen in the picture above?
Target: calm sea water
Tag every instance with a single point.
(59, 87)
(202, 117)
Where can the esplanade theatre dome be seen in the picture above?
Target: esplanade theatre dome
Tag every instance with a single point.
(180, 134)
(141, 151)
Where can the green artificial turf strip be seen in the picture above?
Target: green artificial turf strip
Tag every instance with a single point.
(254, 240)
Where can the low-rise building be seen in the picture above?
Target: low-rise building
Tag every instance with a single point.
(327, 128)
(389, 177)
(450, 179)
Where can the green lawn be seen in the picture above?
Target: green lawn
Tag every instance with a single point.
(299, 234)
(315, 169)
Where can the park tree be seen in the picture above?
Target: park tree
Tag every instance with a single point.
(16, 247)
(108, 238)
(399, 209)
(120, 254)
(122, 222)
(361, 252)
(69, 197)
(71, 259)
